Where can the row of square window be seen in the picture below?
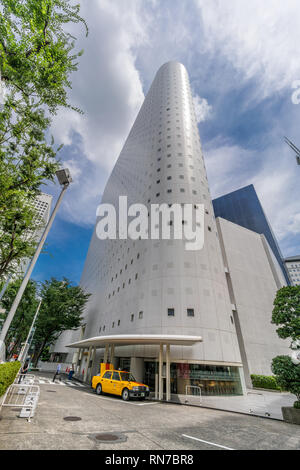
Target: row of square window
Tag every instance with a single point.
(171, 313)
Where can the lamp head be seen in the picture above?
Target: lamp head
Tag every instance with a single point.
(64, 176)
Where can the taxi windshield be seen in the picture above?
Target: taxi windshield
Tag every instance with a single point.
(127, 377)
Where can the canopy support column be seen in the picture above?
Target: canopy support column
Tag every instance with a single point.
(87, 364)
(160, 367)
(112, 353)
(106, 353)
(168, 381)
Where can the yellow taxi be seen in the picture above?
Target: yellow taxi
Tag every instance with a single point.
(118, 382)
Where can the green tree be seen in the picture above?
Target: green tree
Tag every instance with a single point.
(287, 376)
(37, 56)
(20, 325)
(286, 312)
(61, 309)
(286, 315)
(36, 52)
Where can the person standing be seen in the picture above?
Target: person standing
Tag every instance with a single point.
(71, 372)
(57, 372)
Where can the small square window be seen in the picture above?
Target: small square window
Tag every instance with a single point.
(171, 312)
(190, 312)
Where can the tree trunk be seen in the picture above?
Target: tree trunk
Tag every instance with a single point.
(38, 354)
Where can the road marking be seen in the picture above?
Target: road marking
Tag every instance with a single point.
(58, 382)
(127, 402)
(207, 442)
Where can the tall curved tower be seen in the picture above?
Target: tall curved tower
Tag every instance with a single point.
(157, 286)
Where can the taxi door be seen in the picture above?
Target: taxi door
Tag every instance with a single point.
(116, 383)
(105, 381)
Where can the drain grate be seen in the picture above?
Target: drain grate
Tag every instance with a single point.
(72, 418)
(51, 391)
(106, 437)
(112, 437)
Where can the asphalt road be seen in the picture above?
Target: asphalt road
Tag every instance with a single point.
(137, 425)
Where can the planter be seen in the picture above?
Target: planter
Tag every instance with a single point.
(291, 414)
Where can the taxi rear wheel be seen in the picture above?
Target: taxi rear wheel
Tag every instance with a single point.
(125, 394)
(99, 389)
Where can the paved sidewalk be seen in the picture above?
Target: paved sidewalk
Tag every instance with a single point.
(142, 425)
(256, 402)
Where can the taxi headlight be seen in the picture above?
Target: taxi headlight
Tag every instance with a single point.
(135, 389)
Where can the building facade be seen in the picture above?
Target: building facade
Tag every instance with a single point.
(158, 287)
(243, 207)
(254, 276)
(293, 266)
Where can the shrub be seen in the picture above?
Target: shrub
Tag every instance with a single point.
(287, 375)
(8, 372)
(265, 381)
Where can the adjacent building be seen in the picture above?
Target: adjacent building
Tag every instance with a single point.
(293, 267)
(222, 293)
(244, 208)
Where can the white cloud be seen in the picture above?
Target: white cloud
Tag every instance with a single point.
(261, 39)
(203, 110)
(129, 40)
(108, 88)
(276, 181)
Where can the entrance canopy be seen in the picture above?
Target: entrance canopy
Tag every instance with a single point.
(122, 340)
(125, 340)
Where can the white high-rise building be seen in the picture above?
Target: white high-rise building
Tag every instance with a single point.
(157, 287)
(42, 204)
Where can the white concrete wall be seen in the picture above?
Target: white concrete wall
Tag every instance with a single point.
(254, 288)
(52, 366)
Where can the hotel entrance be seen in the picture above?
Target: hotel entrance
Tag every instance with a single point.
(214, 380)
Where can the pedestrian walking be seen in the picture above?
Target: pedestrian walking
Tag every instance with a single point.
(24, 371)
(57, 372)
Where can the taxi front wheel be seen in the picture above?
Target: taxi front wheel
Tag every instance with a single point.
(125, 394)
(99, 389)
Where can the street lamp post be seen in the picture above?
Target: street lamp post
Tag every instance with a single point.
(64, 179)
(294, 148)
(26, 346)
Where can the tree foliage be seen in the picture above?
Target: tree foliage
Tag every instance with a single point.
(286, 312)
(36, 52)
(61, 309)
(37, 56)
(21, 323)
(287, 374)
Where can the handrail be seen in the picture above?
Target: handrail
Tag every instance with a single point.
(196, 387)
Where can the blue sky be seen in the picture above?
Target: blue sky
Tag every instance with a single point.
(242, 58)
